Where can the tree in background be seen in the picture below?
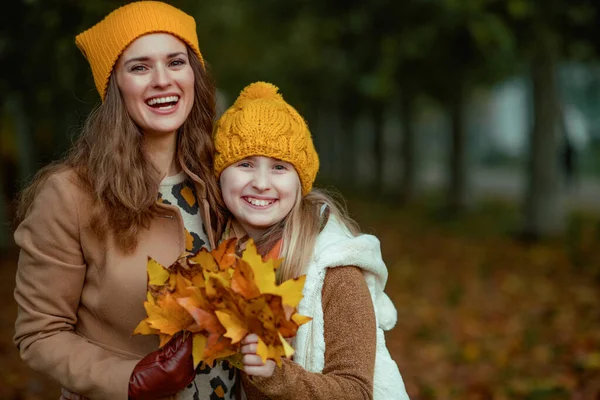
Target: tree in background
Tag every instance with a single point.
(547, 34)
(472, 48)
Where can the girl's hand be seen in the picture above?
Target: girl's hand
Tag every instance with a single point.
(253, 364)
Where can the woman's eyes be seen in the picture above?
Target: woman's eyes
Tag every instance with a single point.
(142, 68)
(244, 165)
(177, 63)
(280, 167)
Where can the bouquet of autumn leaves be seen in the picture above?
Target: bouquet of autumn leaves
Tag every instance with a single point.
(220, 297)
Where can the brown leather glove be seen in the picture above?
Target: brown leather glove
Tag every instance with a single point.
(165, 371)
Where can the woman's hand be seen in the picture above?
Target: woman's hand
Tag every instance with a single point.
(66, 394)
(165, 371)
(253, 364)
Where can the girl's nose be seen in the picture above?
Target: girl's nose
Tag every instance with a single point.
(260, 180)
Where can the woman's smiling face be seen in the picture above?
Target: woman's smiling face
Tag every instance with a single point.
(157, 83)
(260, 192)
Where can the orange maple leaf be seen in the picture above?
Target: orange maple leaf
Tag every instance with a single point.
(167, 316)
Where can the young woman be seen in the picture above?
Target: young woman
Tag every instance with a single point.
(266, 163)
(138, 182)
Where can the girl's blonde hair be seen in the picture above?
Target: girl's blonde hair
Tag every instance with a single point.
(111, 165)
(300, 228)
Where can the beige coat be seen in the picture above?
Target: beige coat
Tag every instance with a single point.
(80, 299)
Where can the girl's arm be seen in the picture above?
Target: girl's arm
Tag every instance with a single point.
(350, 343)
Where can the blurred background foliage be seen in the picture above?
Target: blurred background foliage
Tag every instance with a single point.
(464, 133)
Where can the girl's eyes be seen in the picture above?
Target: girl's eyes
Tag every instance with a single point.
(277, 167)
(138, 68)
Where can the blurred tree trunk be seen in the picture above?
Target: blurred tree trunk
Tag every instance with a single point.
(4, 218)
(4, 196)
(544, 207)
(378, 115)
(409, 149)
(325, 141)
(340, 143)
(458, 181)
(349, 110)
(9, 176)
(24, 137)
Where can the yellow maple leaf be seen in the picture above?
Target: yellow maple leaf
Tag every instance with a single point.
(264, 277)
(205, 259)
(164, 339)
(198, 346)
(288, 350)
(272, 352)
(236, 327)
(236, 360)
(300, 319)
(214, 281)
(144, 328)
(157, 274)
(264, 272)
(290, 291)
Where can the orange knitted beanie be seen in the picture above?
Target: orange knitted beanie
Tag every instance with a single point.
(103, 43)
(261, 123)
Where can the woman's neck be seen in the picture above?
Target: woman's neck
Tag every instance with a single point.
(162, 151)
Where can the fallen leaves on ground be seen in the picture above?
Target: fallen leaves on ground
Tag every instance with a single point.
(482, 315)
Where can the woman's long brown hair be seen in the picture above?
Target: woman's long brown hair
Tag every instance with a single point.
(111, 165)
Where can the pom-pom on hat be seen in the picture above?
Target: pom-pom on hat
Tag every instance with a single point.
(104, 42)
(261, 123)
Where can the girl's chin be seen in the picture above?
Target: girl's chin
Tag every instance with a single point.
(260, 224)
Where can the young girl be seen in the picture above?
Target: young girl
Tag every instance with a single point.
(139, 182)
(266, 163)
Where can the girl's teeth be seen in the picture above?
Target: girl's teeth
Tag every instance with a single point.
(260, 203)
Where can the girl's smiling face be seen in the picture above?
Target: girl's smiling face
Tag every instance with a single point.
(260, 192)
(157, 82)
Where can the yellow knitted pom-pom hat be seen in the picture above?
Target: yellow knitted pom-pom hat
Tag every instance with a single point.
(261, 123)
(103, 43)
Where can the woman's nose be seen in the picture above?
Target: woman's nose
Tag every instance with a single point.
(161, 77)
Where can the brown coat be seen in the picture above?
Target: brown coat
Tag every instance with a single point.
(350, 342)
(80, 299)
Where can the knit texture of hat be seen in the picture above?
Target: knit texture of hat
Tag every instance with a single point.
(103, 43)
(261, 123)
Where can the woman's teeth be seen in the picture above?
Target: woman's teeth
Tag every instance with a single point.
(258, 202)
(163, 103)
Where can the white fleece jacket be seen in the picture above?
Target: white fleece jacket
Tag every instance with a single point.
(335, 246)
